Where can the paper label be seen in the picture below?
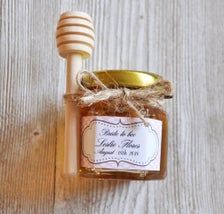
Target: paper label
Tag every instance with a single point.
(121, 143)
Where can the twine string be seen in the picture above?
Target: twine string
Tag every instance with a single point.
(135, 99)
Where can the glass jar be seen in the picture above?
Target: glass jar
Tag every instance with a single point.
(115, 142)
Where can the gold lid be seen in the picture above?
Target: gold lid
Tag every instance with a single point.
(123, 78)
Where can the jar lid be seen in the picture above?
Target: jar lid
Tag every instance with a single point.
(122, 78)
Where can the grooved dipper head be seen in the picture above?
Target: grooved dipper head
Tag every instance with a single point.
(75, 34)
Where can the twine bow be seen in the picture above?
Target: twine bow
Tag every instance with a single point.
(135, 99)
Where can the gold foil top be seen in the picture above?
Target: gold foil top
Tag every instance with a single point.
(123, 78)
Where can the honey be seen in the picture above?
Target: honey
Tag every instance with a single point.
(115, 142)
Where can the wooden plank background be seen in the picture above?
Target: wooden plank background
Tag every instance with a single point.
(180, 39)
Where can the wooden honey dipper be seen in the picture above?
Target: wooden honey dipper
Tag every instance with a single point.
(75, 42)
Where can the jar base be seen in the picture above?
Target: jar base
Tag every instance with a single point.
(121, 174)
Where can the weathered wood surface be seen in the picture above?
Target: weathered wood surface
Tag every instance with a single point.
(182, 40)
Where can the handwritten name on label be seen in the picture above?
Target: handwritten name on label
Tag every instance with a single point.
(120, 140)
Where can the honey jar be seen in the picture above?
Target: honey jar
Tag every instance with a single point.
(115, 142)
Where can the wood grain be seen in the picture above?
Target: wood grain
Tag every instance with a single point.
(28, 94)
(181, 40)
